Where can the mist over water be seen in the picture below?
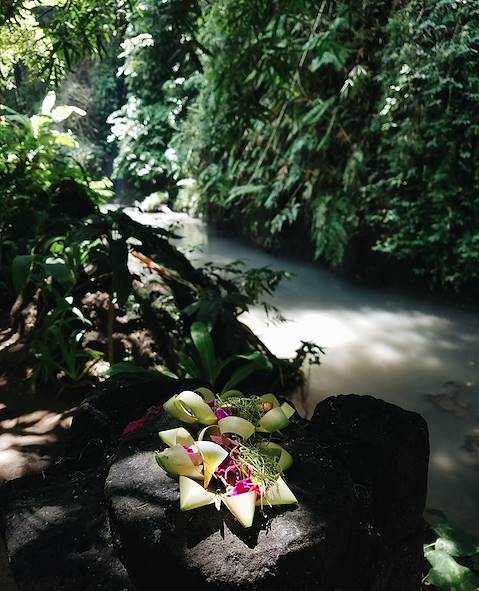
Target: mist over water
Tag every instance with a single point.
(422, 356)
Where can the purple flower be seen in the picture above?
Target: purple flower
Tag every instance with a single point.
(195, 457)
(224, 442)
(244, 486)
(221, 413)
(133, 426)
(228, 471)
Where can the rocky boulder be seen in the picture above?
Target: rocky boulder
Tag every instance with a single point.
(56, 527)
(385, 449)
(360, 477)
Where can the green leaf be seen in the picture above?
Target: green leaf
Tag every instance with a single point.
(245, 190)
(65, 139)
(223, 365)
(327, 58)
(193, 495)
(57, 269)
(21, 267)
(62, 112)
(38, 122)
(261, 362)
(79, 314)
(48, 103)
(205, 309)
(204, 344)
(242, 373)
(449, 575)
(17, 117)
(126, 367)
(455, 541)
(131, 368)
(315, 114)
(187, 363)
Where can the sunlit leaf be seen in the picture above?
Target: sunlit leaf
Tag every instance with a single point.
(449, 575)
(48, 103)
(455, 541)
(38, 122)
(62, 112)
(65, 139)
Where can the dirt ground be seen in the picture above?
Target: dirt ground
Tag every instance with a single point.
(32, 432)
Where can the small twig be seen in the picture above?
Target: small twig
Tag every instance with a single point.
(111, 317)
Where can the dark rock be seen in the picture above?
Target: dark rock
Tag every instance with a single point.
(57, 535)
(112, 405)
(386, 451)
(360, 476)
(56, 525)
(298, 547)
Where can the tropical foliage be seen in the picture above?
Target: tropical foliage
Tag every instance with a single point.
(344, 130)
(453, 556)
(158, 57)
(41, 183)
(42, 39)
(66, 271)
(347, 129)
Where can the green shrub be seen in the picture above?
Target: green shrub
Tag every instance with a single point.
(157, 57)
(42, 187)
(344, 122)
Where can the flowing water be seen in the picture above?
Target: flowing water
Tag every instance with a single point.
(420, 355)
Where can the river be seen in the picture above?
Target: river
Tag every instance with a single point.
(420, 355)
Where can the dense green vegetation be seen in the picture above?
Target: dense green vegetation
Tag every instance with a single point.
(67, 281)
(41, 40)
(344, 130)
(348, 129)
